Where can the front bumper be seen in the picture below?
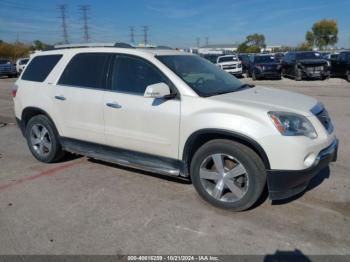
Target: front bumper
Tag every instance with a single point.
(286, 183)
(268, 74)
(236, 71)
(315, 74)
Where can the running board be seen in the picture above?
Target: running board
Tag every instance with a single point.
(127, 158)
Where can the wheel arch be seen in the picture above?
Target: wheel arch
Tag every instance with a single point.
(198, 138)
(30, 112)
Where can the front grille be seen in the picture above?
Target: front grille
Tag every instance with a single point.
(313, 69)
(229, 67)
(325, 120)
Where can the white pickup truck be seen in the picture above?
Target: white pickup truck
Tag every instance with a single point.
(231, 64)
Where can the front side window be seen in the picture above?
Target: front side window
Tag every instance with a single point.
(86, 70)
(132, 75)
(40, 67)
(203, 77)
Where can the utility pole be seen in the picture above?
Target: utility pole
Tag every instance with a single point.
(62, 9)
(198, 41)
(132, 34)
(207, 40)
(145, 35)
(84, 9)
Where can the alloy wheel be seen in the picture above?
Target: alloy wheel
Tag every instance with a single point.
(224, 178)
(40, 140)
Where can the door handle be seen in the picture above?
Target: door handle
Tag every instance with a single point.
(60, 98)
(113, 105)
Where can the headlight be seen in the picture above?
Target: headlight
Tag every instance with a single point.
(290, 124)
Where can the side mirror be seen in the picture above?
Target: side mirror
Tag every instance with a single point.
(159, 90)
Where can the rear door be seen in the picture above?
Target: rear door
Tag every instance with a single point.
(78, 97)
(134, 122)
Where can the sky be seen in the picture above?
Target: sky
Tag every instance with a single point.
(175, 23)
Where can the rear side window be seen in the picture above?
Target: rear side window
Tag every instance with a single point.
(86, 70)
(40, 67)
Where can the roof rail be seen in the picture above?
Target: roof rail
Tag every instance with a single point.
(118, 44)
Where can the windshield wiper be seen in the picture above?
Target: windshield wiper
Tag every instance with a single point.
(245, 86)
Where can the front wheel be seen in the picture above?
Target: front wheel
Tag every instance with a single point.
(348, 76)
(228, 174)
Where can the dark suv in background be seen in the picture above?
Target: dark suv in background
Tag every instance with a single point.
(7, 68)
(308, 64)
(340, 65)
(264, 66)
(244, 58)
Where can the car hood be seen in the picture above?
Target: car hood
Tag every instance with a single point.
(312, 61)
(229, 63)
(270, 99)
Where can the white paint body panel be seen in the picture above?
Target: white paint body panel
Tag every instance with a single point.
(143, 125)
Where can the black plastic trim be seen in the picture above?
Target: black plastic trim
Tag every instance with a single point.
(286, 183)
(124, 157)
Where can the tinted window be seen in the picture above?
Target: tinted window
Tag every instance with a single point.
(133, 75)
(2, 61)
(23, 61)
(40, 67)
(202, 76)
(85, 70)
(309, 55)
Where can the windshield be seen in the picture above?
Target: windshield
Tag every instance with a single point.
(308, 55)
(227, 59)
(23, 61)
(4, 61)
(264, 59)
(203, 77)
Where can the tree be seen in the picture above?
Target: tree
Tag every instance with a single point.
(252, 44)
(256, 40)
(38, 45)
(14, 51)
(323, 33)
(305, 46)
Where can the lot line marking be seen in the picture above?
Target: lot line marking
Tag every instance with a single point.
(48, 172)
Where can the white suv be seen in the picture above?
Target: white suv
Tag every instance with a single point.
(176, 114)
(231, 64)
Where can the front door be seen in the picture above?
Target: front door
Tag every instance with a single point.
(134, 122)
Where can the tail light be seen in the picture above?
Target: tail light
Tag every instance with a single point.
(14, 91)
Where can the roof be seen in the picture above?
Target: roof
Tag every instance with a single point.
(135, 51)
(220, 46)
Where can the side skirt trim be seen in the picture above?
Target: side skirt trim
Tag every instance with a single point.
(124, 157)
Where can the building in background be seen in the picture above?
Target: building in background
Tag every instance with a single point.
(218, 49)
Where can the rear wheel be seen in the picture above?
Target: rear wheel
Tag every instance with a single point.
(228, 174)
(348, 76)
(298, 74)
(43, 140)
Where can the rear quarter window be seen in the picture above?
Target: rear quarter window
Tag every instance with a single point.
(86, 70)
(40, 67)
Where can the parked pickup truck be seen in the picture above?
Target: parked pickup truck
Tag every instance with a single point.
(300, 65)
(231, 64)
(7, 68)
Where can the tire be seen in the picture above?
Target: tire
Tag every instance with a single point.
(298, 76)
(348, 76)
(248, 182)
(42, 139)
(254, 76)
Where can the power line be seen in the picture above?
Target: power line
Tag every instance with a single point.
(132, 34)
(84, 9)
(145, 34)
(63, 9)
(207, 40)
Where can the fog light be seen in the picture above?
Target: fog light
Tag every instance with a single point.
(310, 159)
